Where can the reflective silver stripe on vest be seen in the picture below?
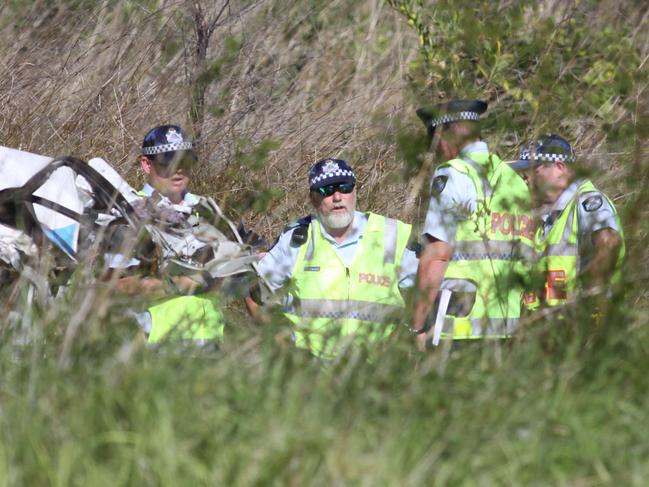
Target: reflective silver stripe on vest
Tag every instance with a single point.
(491, 250)
(526, 253)
(390, 245)
(485, 328)
(310, 249)
(562, 250)
(486, 187)
(343, 309)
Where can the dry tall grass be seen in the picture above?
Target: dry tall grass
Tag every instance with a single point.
(320, 78)
(91, 79)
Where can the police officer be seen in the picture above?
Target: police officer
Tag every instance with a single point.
(167, 160)
(477, 234)
(342, 269)
(579, 240)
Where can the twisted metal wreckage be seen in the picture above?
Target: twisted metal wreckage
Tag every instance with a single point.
(57, 213)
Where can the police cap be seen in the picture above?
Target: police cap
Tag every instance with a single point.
(451, 111)
(329, 171)
(549, 148)
(167, 143)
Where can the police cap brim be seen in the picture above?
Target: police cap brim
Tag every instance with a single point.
(521, 165)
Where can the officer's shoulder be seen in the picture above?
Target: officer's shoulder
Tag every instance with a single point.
(453, 166)
(448, 176)
(455, 169)
(301, 222)
(192, 199)
(401, 223)
(295, 233)
(592, 201)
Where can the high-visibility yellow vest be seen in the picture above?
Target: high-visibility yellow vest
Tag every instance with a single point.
(188, 318)
(492, 249)
(558, 254)
(333, 304)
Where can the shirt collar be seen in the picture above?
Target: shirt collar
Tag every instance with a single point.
(189, 199)
(148, 190)
(564, 198)
(477, 146)
(358, 227)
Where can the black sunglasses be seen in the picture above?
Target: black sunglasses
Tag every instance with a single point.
(166, 166)
(330, 189)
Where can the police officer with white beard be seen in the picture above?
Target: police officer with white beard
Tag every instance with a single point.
(342, 269)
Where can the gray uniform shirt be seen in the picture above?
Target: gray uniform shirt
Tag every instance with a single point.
(455, 202)
(594, 213)
(277, 265)
(449, 206)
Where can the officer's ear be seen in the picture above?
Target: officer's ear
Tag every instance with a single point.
(564, 169)
(146, 164)
(562, 166)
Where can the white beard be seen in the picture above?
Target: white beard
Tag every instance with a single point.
(336, 221)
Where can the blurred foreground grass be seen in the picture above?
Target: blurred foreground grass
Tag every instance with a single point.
(566, 404)
(561, 405)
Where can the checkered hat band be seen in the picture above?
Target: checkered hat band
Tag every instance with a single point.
(546, 157)
(455, 117)
(330, 175)
(160, 149)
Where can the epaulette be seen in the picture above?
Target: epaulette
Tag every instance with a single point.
(300, 229)
(302, 222)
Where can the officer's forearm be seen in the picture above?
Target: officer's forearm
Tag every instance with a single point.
(137, 285)
(153, 287)
(606, 245)
(432, 266)
(258, 313)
